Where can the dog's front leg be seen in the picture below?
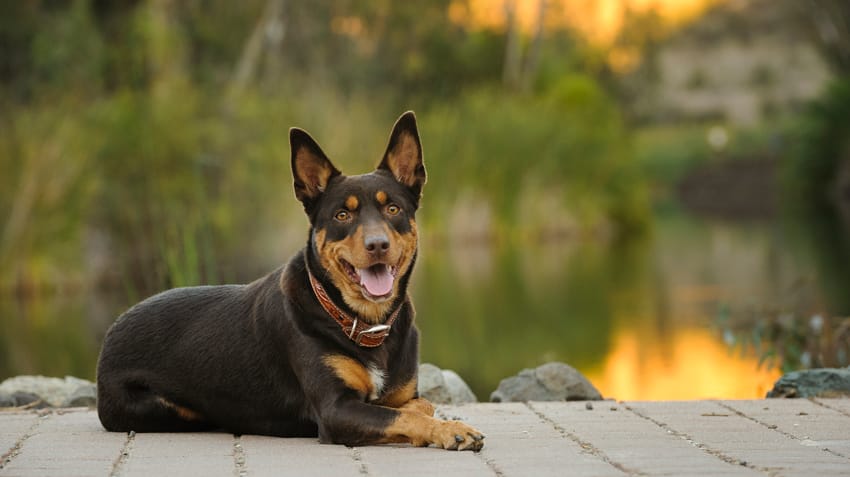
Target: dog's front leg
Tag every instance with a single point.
(420, 405)
(353, 422)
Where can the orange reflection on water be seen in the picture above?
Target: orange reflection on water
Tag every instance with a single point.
(692, 364)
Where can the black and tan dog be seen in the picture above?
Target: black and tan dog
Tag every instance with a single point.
(325, 345)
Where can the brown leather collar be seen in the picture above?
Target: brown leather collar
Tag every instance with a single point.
(361, 332)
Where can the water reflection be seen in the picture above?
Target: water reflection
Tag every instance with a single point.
(640, 320)
(54, 336)
(690, 364)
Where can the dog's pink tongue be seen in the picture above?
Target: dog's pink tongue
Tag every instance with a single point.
(377, 280)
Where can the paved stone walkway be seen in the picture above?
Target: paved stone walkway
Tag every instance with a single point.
(763, 437)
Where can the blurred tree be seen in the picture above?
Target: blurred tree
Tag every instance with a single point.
(830, 24)
(165, 120)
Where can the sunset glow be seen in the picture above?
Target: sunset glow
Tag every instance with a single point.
(599, 21)
(696, 365)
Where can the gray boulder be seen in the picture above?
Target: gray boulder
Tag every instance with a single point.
(823, 382)
(549, 382)
(6, 400)
(55, 392)
(443, 386)
(84, 396)
(30, 400)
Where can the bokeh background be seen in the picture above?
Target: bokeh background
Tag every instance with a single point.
(654, 191)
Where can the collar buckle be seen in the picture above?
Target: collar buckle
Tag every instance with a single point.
(372, 330)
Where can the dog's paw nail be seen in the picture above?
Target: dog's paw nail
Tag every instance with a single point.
(478, 437)
(473, 446)
(458, 438)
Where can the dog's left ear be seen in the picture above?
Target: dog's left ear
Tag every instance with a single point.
(311, 168)
(403, 158)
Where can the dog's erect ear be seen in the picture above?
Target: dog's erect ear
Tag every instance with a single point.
(311, 168)
(403, 158)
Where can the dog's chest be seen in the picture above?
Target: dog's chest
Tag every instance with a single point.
(377, 377)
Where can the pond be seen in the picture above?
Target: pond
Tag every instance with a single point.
(644, 320)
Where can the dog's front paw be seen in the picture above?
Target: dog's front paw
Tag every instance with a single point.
(455, 435)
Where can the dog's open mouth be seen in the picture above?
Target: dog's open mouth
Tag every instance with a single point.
(376, 281)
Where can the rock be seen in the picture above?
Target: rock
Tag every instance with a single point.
(432, 384)
(6, 400)
(84, 396)
(54, 392)
(443, 386)
(549, 382)
(458, 389)
(823, 382)
(23, 398)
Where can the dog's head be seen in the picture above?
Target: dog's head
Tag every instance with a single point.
(363, 232)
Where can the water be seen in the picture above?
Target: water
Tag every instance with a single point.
(644, 320)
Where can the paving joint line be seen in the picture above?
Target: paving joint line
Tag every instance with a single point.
(827, 406)
(585, 445)
(13, 452)
(699, 445)
(124, 455)
(490, 463)
(363, 469)
(774, 427)
(240, 468)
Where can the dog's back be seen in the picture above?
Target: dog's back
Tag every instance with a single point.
(205, 340)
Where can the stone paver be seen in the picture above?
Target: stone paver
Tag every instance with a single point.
(181, 454)
(812, 424)
(264, 456)
(840, 405)
(738, 439)
(519, 442)
(634, 443)
(70, 444)
(410, 461)
(717, 438)
(15, 427)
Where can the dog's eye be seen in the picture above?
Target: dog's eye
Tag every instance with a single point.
(342, 215)
(393, 209)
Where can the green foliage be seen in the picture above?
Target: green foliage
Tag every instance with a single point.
(151, 184)
(508, 147)
(822, 142)
(46, 186)
(121, 121)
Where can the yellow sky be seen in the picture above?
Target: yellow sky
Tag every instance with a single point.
(598, 20)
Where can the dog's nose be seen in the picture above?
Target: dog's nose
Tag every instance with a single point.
(377, 244)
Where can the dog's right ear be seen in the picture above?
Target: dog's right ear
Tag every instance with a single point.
(311, 168)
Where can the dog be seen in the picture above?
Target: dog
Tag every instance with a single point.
(324, 346)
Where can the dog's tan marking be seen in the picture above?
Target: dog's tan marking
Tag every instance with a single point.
(406, 243)
(182, 412)
(399, 396)
(351, 203)
(381, 197)
(422, 430)
(352, 250)
(403, 159)
(351, 372)
(313, 172)
(420, 405)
